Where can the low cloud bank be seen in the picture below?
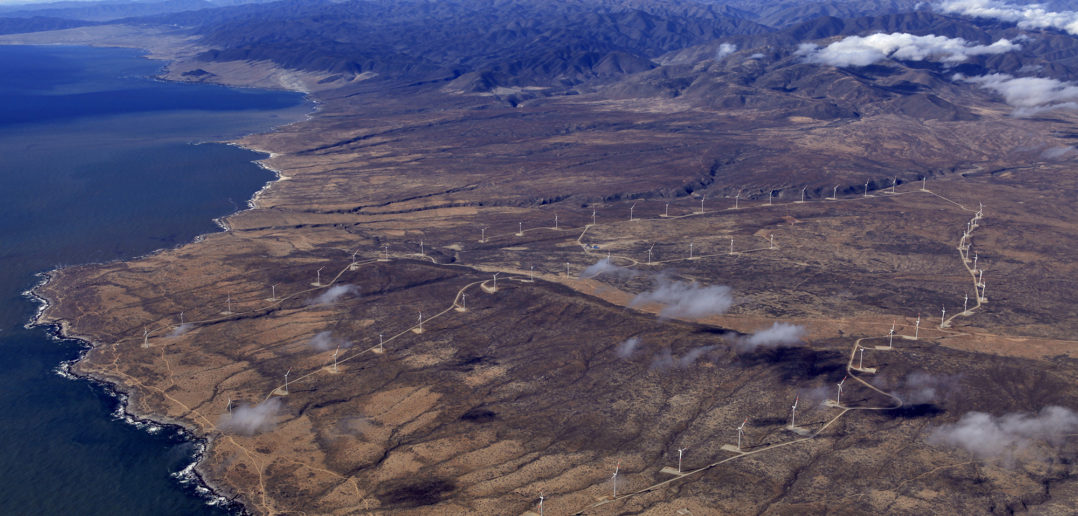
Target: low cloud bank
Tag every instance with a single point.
(180, 330)
(334, 294)
(1057, 152)
(625, 349)
(779, 334)
(252, 419)
(325, 340)
(666, 360)
(1031, 16)
(685, 299)
(1029, 95)
(919, 387)
(866, 50)
(1007, 438)
(605, 266)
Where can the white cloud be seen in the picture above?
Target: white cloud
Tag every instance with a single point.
(334, 293)
(866, 50)
(1057, 152)
(683, 299)
(180, 330)
(605, 266)
(1025, 16)
(625, 349)
(724, 50)
(665, 359)
(324, 341)
(1030, 95)
(779, 334)
(252, 419)
(1009, 437)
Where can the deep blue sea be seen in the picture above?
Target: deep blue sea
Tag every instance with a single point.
(99, 161)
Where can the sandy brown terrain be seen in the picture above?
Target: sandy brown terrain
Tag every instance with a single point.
(410, 201)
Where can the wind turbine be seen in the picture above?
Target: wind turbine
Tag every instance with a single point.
(861, 364)
(353, 266)
(772, 244)
(386, 259)
(803, 193)
(318, 277)
(555, 221)
(540, 503)
(335, 358)
(273, 292)
(422, 252)
(690, 250)
(702, 199)
(649, 253)
(834, 193)
(793, 412)
(520, 229)
(740, 432)
(965, 303)
(891, 336)
(943, 315)
(679, 452)
(145, 337)
(483, 235)
(894, 183)
(631, 208)
(917, 327)
(495, 289)
(464, 302)
(866, 190)
(229, 405)
(592, 217)
(228, 304)
(770, 194)
(923, 180)
(667, 214)
(838, 395)
(181, 318)
(614, 479)
(974, 261)
(420, 322)
(286, 380)
(731, 245)
(380, 348)
(737, 197)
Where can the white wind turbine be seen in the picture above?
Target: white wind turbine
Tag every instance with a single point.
(614, 479)
(740, 432)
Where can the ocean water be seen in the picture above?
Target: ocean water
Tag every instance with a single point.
(98, 162)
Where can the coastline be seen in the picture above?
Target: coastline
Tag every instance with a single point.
(191, 477)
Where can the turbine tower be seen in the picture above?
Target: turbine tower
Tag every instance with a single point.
(614, 479)
(793, 412)
(740, 432)
(838, 395)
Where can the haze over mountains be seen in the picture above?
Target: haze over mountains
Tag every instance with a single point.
(825, 60)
